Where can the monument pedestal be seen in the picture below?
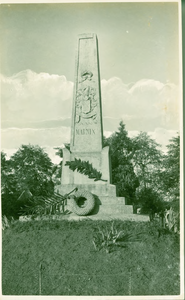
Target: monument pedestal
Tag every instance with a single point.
(100, 190)
(100, 160)
(106, 201)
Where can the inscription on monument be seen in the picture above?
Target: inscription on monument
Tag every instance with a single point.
(85, 131)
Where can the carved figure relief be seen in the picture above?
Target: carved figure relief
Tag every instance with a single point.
(86, 101)
(86, 75)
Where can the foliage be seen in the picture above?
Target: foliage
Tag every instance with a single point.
(4, 170)
(141, 172)
(41, 206)
(149, 201)
(50, 205)
(28, 172)
(8, 188)
(59, 151)
(169, 185)
(57, 173)
(172, 220)
(6, 223)
(4, 173)
(108, 239)
(84, 167)
(33, 170)
(170, 176)
(123, 175)
(147, 160)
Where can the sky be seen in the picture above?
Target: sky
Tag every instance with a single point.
(139, 69)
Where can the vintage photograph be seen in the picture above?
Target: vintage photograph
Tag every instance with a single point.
(91, 149)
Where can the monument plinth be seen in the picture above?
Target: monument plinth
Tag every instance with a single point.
(87, 129)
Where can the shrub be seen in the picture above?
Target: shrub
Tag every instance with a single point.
(109, 238)
(149, 201)
(172, 220)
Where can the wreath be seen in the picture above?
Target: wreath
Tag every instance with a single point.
(82, 202)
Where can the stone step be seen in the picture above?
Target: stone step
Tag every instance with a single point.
(109, 205)
(106, 217)
(112, 200)
(115, 209)
(104, 200)
(99, 189)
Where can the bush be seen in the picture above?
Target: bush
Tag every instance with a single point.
(172, 220)
(149, 201)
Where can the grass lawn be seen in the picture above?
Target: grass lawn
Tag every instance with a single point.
(59, 258)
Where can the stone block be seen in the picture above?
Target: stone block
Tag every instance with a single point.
(99, 160)
(99, 189)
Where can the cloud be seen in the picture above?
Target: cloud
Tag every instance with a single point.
(32, 99)
(56, 137)
(114, 97)
(36, 108)
(161, 135)
(52, 154)
(49, 150)
(14, 137)
(142, 106)
(28, 96)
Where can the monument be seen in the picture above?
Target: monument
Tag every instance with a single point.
(86, 144)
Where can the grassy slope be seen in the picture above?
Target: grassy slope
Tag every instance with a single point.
(71, 266)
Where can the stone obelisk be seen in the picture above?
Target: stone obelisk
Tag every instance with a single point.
(86, 125)
(87, 132)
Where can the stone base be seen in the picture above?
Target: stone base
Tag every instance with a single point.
(99, 189)
(105, 195)
(99, 160)
(114, 205)
(106, 217)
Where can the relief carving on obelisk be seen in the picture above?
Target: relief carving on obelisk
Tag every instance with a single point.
(86, 101)
(87, 129)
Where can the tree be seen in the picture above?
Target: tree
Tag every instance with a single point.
(123, 175)
(8, 188)
(170, 177)
(28, 173)
(147, 160)
(149, 201)
(33, 170)
(4, 172)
